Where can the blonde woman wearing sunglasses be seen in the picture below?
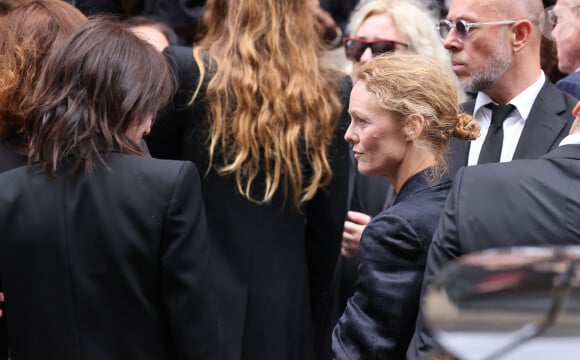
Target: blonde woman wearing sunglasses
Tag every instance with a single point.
(379, 26)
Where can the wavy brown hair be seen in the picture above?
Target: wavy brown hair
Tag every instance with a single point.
(272, 104)
(410, 84)
(29, 32)
(101, 81)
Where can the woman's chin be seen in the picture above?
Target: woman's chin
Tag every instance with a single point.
(368, 171)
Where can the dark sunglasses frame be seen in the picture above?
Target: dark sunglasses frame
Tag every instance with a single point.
(355, 47)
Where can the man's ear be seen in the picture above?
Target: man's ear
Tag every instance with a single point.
(575, 129)
(576, 110)
(521, 32)
(414, 126)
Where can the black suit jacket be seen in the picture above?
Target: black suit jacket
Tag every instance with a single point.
(548, 123)
(108, 266)
(10, 158)
(272, 263)
(520, 203)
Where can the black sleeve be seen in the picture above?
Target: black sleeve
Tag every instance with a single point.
(187, 290)
(378, 321)
(166, 138)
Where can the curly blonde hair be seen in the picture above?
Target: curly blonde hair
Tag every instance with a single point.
(29, 32)
(272, 104)
(410, 84)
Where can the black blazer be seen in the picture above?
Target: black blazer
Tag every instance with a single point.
(548, 123)
(108, 266)
(379, 319)
(10, 158)
(520, 203)
(272, 265)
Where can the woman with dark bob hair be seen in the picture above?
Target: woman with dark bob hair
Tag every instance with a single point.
(104, 251)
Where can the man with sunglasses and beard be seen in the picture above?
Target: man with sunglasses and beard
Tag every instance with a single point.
(495, 52)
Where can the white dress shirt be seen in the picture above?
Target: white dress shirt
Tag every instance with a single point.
(513, 125)
(571, 139)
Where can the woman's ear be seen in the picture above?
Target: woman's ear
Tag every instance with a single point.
(138, 129)
(414, 126)
(146, 126)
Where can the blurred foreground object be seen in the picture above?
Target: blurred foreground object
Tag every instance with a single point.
(512, 303)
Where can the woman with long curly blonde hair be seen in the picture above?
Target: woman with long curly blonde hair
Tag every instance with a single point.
(262, 118)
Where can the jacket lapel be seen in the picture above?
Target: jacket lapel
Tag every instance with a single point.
(458, 152)
(546, 125)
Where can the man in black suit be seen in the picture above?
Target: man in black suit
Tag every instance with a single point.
(495, 52)
(524, 202)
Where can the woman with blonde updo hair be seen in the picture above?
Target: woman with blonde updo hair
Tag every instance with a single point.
(404, 111)
(377, 27)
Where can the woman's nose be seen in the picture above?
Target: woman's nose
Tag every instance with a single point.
(366, 56)
(349, 135)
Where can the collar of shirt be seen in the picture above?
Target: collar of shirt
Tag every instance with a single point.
(523, 101)
(571, 139)
(513, 125)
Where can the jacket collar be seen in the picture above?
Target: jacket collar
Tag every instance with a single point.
(418, 183)
(570, 151)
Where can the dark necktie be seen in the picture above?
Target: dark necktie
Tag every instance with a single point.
(491, 149)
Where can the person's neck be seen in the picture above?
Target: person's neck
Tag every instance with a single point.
(416, 160)
(513, 82)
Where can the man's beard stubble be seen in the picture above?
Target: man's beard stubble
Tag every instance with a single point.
(482, 79)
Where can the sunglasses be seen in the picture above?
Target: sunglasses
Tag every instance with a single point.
(354, 47)
(463, 27)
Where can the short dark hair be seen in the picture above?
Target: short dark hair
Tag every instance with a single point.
(99, 82)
